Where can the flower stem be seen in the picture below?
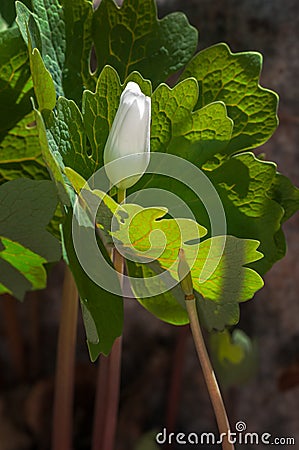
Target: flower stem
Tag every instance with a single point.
(108, 381)
(64, 379)
(176, 378)
(209, 375)
(121, 195)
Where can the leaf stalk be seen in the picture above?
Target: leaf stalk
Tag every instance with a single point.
(62, 433)
(209, 375)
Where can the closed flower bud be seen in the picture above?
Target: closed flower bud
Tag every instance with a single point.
(185, 275)
(129, 136)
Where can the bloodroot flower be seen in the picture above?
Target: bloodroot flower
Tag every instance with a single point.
(129, 136)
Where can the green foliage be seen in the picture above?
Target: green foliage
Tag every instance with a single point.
(63, 38)
(42, 81)
(66, 136)
(248, 187)
(8, 10)
(216, 110)
(78, 41)
(102, 310)
(19, 146)
(27, 207)
(233, 78)
(45, 28)
(234, 356)
(131, 38)
(52, 159)
(177, 129)
(245, 184)
(21, 153)
(144, 233)
(21, 269)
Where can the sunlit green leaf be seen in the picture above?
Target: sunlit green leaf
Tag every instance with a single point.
(42, 81)
(218, 265)
(21, 269)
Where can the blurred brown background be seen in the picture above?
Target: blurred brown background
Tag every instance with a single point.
(269, 402)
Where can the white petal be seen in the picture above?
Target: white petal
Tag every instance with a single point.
(129, 135)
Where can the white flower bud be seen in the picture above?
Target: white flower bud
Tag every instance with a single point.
(129, 136)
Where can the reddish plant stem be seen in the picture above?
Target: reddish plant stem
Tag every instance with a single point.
(113, 395)
(176, 379)
(34, 333)
(99, 418)
(209, 375)
(108, 385)
(65, 366)
(14, 335)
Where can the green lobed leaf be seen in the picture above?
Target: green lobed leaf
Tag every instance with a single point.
(231, 283)
(21, 269)
(131, 38)
(218, 264)
(287, 195)
(244, 184)
(233, 78)
(27, 206)
(195, 136)
(218, 295)
(102, 310)
(168, 306)
(253, 195)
